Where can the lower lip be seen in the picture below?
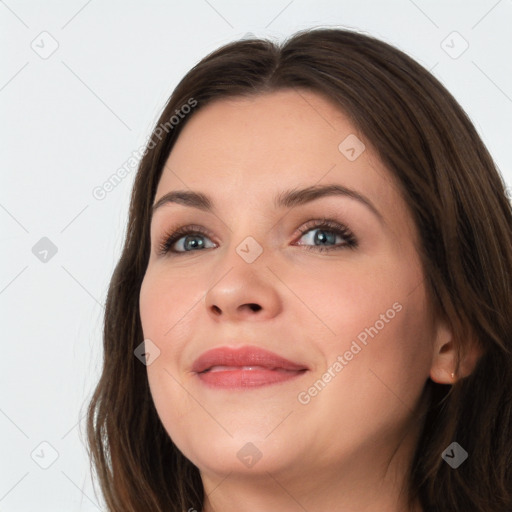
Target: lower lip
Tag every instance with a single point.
(242, 379)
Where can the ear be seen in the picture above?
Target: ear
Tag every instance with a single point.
(445, 355)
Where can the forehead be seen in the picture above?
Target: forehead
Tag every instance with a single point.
(239, 149)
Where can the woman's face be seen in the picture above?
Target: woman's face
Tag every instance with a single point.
(353, 317)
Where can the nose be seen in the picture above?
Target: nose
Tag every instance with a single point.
(244, 292)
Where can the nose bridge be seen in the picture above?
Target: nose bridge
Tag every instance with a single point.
(249, 233)
(242, 283)
(250, 248)
(243, 260)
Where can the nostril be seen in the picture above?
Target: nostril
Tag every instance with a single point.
(252, 306)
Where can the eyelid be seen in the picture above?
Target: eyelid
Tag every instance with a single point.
(175, 233)
(334, 226)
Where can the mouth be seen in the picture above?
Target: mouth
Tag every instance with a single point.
(245, 367)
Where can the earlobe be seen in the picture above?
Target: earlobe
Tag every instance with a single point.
(444, 368)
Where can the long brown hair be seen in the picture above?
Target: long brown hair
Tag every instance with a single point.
(457, 198)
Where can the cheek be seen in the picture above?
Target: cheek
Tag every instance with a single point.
(375, 318)
(163, 311)
(166, 313)
(165, 304)
(382, 376)
(356, 300)
(385, 346)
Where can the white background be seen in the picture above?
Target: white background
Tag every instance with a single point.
(70, 120)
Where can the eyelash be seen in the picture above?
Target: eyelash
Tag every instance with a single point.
(173, 236)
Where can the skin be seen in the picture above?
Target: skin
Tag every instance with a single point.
(349, 448)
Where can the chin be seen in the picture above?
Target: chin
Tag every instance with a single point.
(223, 454)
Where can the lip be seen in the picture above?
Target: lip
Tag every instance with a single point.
(244, 367)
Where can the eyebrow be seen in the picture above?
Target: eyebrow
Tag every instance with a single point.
(287, 199)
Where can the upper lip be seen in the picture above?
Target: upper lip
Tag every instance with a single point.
(243, 356)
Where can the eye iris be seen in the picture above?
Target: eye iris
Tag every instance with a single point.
(322, 238)
(194, 243)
